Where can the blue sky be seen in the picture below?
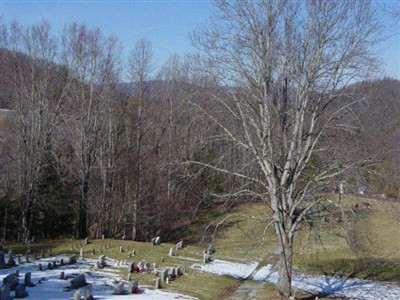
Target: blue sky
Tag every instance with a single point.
(165, 23)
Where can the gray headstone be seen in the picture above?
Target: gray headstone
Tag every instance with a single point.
(50, 266)
(133, 287)
(120, 249)
(5, 292)
(12, 280)
(119, 289)
(20, 291)
(77, 295)
(157, 283)
(156, 241)
(40, 267)
(62, 276)
(2, 261)
(28, 279)
(102, 261)
(78, 282)
(172, 251)
(86, 242)
(164, 275)
(81, 254)
(88, 292)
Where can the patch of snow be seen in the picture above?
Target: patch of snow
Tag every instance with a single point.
(221, 267)
(335, 286)
(53, 288)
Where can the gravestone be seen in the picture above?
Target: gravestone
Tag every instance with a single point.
(179, 245)
(62, 276)
(103, 236)
(50, 266)
(164, 275)
(54, 265)
(81, 254)
(78, 282)
(156, 241)
(129, 277)
(119, 289)
(28, 279)
(40, 267)
(157, 283)
(77, 295)
(173, 273)
(11, 261)
(2, 261)
(16, 272)
(20, 291)
(162, 259)
(179, 270)
(133, 287)
(88, 292)
(93, 252)
(62, 261)
(172, 251)
(12, 280)
(86, 242)
(102, 261)
(121, 249)
(206, 258)
(5, 292)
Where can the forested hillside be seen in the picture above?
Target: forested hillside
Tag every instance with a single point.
(83, 154)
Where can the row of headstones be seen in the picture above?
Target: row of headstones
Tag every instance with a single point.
(11, 283)
(174, 250)
(102, 250)
(11, 259)
(207, 254)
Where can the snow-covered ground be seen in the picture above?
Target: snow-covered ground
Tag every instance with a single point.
(234, 269)
(53, 288)
(335, 286)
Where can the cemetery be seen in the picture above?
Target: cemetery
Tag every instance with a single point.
(121, 269)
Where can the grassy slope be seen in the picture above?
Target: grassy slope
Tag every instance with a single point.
(245, 236)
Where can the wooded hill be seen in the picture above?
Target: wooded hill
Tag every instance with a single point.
(82, 154)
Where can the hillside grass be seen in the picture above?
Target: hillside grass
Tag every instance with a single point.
(244, 234)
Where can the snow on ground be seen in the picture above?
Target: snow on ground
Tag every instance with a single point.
(234, 269)
(335, 286)
(53, 288)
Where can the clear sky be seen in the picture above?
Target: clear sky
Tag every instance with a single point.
(165, 23)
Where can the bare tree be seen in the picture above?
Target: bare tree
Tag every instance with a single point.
(282, 64)
(140, 68)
